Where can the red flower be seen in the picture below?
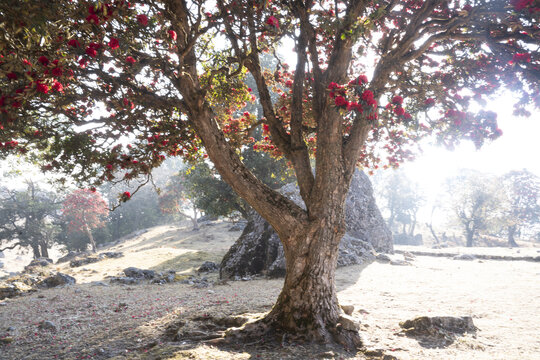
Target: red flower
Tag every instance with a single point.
(398, 100)
(43, 60)
(142, 19)
(333, 86)
(273, 21)
(57, 72)
(42, 88)
(340, 101)
(399, 111)
(114, 43)
(74, 43)
(429, 102)
(58, 86)
(360, 80)
(93, 19)
(11, 76)
(520, 4)
(172, 34)
(367, 96)
(467, 7)
(523, 57)
(130, 60)
(126, 195)
(91, 51)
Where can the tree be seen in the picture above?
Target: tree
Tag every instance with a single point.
(85, 210)
(27, 218)
(402, 200)
(476, 202)
(523, 208)
(168, 75)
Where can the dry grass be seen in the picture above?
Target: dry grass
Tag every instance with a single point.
(137, 322)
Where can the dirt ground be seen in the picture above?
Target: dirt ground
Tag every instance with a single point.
(98, 320)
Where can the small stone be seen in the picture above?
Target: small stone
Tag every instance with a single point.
(11, 328)
(400, 262)
(383, 258)
(464, 257)
(6, 340)
(47, 325)
(347, 309)
(348, 323)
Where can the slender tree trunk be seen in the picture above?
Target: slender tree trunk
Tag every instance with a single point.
(44, 250)
(430, 227)
(511, 232)
(194, 220)
(90, 237)
(470, 237)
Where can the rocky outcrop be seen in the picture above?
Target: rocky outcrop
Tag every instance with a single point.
(259, 251)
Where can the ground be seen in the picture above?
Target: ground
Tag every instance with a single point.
(96, 320)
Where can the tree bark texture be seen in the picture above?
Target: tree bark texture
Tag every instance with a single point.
(91, 238)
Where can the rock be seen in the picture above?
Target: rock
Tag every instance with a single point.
(112, 254)
(326, 355)
(10, 328)
(47, 325)
(6, 340)
(139, 273)
(239, 226)
(437, 330)
(208, 266)
(400, 262)
(14, 289)
(408, 256)
(2, 255)
(259, 251)
(383, 258)
(125, 280)
(36, 263)
(1, 265)
(464, 257)
(56, 280)
(99, 283)
(69, 256)
(347, 309)
(83, 261)
(348, 323)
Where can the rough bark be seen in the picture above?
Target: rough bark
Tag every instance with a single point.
(44, 250)
(36, 251)
(91, 238)
(470, 237)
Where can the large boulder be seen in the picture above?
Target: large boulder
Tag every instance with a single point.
(259, 250)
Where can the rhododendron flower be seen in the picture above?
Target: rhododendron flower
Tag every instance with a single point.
(11, 76)
(523, 57)
(74, 43)
(90, 51)
(142, 19)
(429, 102)
(172, 34)
(126, 195)
(367, 96)
(397, 100)
(520, 4)
(333, 86)
(42, 88)
(399, 111)
(43, 60)
(93, 19)
(114, 43)
(273, 21)
(58, 86)
(340, 101)
(360, 80)
(130, 60)
(355, 106)
(57, 72)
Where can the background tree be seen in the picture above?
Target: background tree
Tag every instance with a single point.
(522, 190)
(27, 218)
(476, 203)
(170, 74)
(85, 210)
(401, 201)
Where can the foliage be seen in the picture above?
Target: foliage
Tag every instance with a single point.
(401, 200)
(84, 210)
(27, 218)
(477, 202)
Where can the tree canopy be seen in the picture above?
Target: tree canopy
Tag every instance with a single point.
(98, 87)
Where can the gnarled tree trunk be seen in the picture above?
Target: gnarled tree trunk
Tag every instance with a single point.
(90, 238)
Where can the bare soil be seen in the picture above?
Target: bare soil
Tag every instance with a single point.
(98, 320)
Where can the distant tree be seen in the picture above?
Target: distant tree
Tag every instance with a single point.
(476, 203)
(522, 190)
(401, 201)
(175, 199)
(85, 210)
(26, 218)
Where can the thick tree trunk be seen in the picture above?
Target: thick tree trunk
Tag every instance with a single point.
(511, 232)
(91, 238)
(36, 251)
